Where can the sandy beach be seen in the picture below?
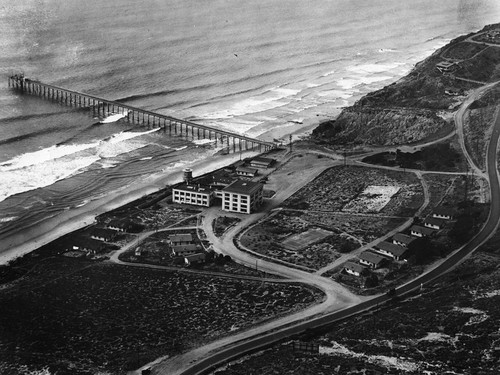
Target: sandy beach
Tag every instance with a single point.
(29, 239)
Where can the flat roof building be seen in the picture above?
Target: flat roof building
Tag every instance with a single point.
(192, 194)
(242, 196)
(245, 171)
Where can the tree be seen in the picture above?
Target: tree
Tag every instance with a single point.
(423, 250)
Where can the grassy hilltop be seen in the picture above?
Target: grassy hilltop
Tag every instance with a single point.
(414, 108)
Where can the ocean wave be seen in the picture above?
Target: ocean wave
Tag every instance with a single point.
(32, 134)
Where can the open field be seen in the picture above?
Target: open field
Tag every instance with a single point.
(338, 186)
(459, 335)
(79, 317)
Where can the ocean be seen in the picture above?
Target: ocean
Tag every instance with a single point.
(264, 69)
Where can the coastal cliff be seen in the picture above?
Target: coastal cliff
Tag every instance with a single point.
(415, 108)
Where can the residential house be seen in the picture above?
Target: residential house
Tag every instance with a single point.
(354, 269)
(88, 245)
(190, 260)
(401, 239)
(183, 250)
(242, 196)
(392, 250)
(120, 225)
(445, 66)
(433, 223)
(260, 162)
(102, 234)
(419, 231)
(247, 172)
(443, 213)
(180, 239)
(371, 260)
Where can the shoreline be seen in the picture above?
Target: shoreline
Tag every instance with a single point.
(32, 238)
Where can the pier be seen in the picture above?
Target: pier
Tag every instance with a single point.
(230, 141)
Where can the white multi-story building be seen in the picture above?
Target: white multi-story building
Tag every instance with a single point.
(242, 196)
(192, 194)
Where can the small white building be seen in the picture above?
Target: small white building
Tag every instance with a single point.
(260, 162)
(445, 66)
(434, 223)
(391, 250)
(190, 260)
(192, 194)
(402, 239)
(183, 250)
(242, 196)
(367, 258)
(247, 172)
(419, 231)
(443, 213)
(180, 239)
(354, 269)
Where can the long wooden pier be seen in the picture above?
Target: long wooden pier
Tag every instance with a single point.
(99, 106)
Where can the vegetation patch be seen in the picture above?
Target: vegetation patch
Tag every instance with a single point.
(109, 318)
(222, 223)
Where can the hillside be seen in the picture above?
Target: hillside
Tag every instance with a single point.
(410, 110)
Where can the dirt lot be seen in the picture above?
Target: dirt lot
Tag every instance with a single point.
(77, 317)
(459, 335)
(338, 186)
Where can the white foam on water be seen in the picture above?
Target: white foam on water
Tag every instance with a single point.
(203, 141)
(7, 219)
(113, 118)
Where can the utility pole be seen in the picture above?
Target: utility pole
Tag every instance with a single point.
(290, 143)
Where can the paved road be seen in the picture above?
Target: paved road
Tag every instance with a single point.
(234, 351)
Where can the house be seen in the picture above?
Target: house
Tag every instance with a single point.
(102, 234)
(403, 240)
(192, 194)
(371, 260)
(419, 231)
(242, 196)
(138, 252)
(247, 172)
(180, 239)
(88, 244)
(431, 222)
(260, 162)
(120, 225)
(391, 250)
(190, 260)
(445, 66)
(354, 269)
(183, 250)
(443, 213)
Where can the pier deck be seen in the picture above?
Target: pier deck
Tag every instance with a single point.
(233, 141)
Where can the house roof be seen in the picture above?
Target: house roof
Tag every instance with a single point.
(434, 221)
(403, 238)
(443, 211)
(88, 243)
(243, 187)
(423, 230)
(391, 248)
(181, 248)
(247, 170)
(354, 267)
(261, 160)
(119, 223)
(371, 257)
(195, 257)
(102, 232)
(183, 237)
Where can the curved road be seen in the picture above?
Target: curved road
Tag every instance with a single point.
(235, 350)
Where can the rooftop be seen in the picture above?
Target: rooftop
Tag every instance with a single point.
(419, 229)
(243, 187)
(354, 267)
(247, 170)
(263, 160)
(183, 237)
(403, 238)
(434, 221)
(371, 257)
(391, 248)
(195, 187)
